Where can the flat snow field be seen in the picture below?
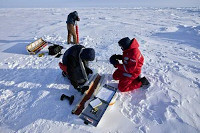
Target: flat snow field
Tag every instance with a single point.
(31, 86)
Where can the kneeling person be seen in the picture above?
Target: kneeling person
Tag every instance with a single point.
(128, 73)
(76, 60)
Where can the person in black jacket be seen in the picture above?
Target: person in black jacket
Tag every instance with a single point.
(76, 60)
(71, 19)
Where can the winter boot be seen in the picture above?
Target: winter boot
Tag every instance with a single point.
(139, 77)
(144, 81)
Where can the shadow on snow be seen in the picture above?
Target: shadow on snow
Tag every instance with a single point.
(18, 48)
(188, 35)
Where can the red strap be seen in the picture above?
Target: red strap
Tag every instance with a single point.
(63, 67)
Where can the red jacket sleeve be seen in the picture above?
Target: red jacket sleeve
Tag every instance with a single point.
(128, 68)
(131, 63)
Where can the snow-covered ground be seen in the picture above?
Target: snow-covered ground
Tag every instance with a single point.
(30, 86)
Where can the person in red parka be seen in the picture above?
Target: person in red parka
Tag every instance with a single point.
(129, 72)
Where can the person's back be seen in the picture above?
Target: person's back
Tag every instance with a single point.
(72, 51)
(72, 17)
(76, 59)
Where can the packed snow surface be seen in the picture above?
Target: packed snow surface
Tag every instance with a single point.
(31, 86)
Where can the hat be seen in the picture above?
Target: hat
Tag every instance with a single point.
(88, 54)
(124, 43)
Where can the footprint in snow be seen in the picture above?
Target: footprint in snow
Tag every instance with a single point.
(132, 105)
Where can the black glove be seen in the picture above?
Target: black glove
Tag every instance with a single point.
(83, 89)
(119, 57)
(113, 60)
(88, 71)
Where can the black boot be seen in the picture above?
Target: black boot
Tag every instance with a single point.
(139, 77)
(144, 81)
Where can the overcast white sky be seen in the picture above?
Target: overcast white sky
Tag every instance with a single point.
(97, 3)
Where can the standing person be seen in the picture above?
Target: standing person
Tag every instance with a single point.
(129, 72)
(75, 60)
(71, 19)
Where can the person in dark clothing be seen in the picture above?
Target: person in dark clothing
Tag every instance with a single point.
(71, 19)
(76, 61)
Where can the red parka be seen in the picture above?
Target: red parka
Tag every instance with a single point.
(128, 72)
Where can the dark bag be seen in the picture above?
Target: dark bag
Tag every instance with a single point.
(55, 49)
